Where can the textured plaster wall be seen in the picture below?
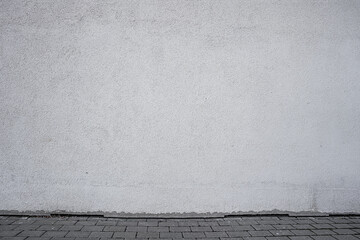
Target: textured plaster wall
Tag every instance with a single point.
(180, 106)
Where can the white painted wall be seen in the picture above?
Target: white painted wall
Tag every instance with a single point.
(180, 106)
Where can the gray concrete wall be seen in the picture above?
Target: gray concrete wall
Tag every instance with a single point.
(180, 106)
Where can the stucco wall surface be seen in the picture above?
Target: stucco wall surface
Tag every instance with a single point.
(180, 106)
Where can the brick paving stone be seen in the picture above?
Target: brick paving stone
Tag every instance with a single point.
(323, 238)
(238, 234)
(323, 220)
(243, 228)
(341, 225)
(101, 234)
(268, 222)
(194, 234)
(263, 227)
(323, 232)
(65, 222)
(126, 235)
(84, 239)
(201, 229)
(277, 238)
(114, 229)
(281, 232)
(284, 221)
(6, 221)
(38, 238)
(31, 233)
(10, 233)
(7, 227)
(300, 238)
(86, 223)
(341, 220)
(322, 226)
(270, 217)
(344, 231)
(345, 237)
(18, 217)
(303, 226)
(303, 221)
(180, 229)
(92, 228)
(168, 224)
(246, 222)
(158, 229)
(232, 238)
(188, 224)
(27, 227)
(148, 224)
(207, 223)
(158, 238)
(283, 226)
(54, 234)
(62, 238)
(207, 238)
(53, 218)
(24, 221)
(106, 223)
(171, 235)
(77, 234)
(71, 228)
(303, 232)
(13, 238)
(354, 219)
(147, 235)
(44, 222)
(136, 229)
(78, 218)
(260, 233)
(49, 227)
(215, 234)
(127, 224)
(12, 217)
(223, 228)
(228, 223)
(254, 238)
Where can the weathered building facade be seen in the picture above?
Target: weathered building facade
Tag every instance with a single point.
(180, 106)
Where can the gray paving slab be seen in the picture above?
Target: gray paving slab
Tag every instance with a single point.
(241, 228)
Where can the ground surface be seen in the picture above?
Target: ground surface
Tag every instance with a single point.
(261, 228)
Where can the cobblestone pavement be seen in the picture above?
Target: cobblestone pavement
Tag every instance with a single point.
(256, 228)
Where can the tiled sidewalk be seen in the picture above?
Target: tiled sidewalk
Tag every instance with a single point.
(256, 228)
